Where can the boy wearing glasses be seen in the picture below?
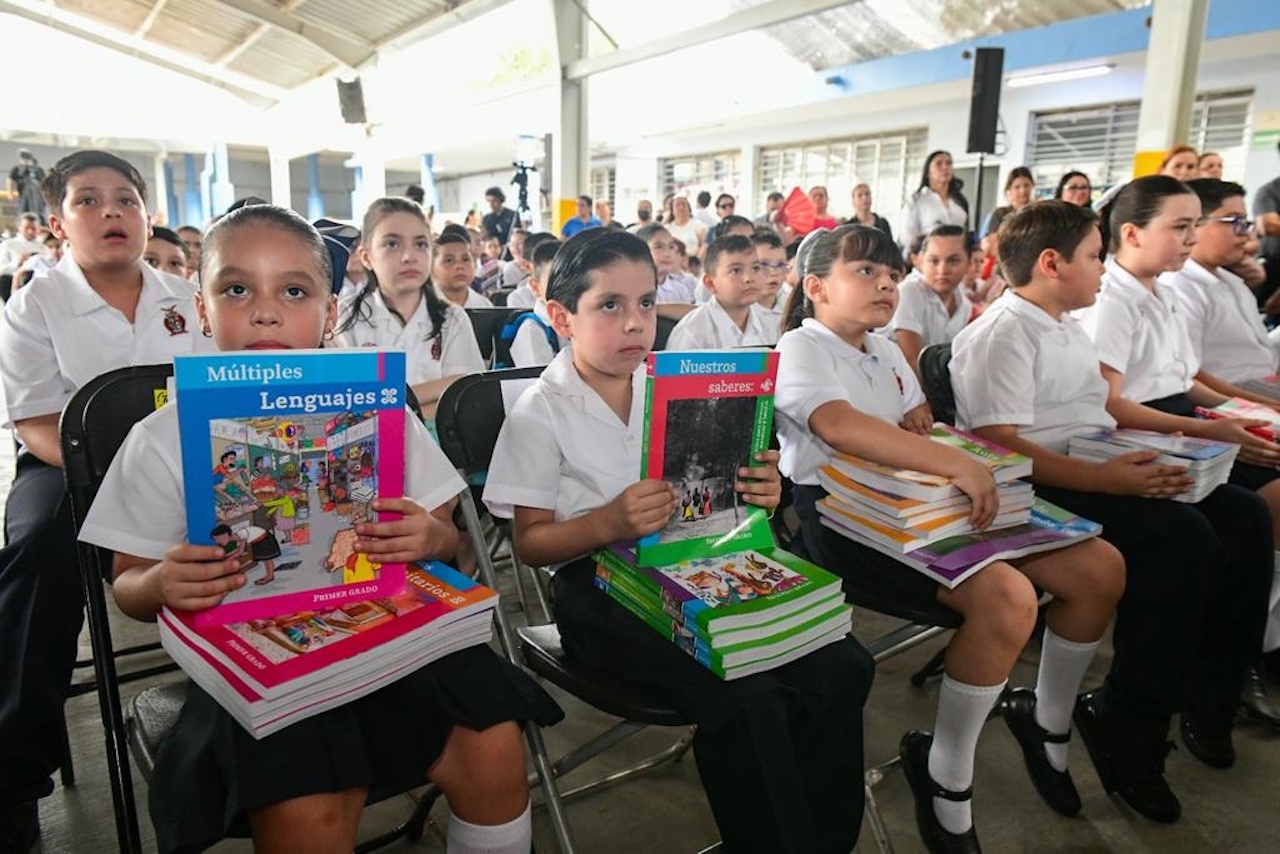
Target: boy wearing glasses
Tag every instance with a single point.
(772, 258)
(731, 318)
(1220, 312)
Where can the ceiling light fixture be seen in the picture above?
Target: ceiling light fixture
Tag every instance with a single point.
(1060, 76)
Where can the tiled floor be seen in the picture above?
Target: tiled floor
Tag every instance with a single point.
(1237, 810)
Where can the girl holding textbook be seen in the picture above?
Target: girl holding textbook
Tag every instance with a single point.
(264, 276)
(1026, 376)
(842, 388)
(779, 752)
(398, 306)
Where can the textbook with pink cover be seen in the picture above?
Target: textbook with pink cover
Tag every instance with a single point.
(283, 452)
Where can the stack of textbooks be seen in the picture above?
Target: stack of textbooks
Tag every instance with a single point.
(1207, 461)
(1238, 407)
(712, 581)
(922, 520)
(283, 454)
(737, 613)
(271, 672)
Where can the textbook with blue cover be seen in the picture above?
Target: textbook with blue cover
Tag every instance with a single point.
(283, 452)
(707, 413)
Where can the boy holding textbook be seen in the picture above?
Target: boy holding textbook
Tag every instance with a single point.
(1026, 377)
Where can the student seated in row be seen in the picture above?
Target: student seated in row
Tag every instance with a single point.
(165, 252)
(100, 309)
(536, 341)
(779, 752)
(933, 307)
(1153, 374)
(843, 388)
(731, 317)
(772, 258)
(523, 296)
(1026, 376)
(453, 270)
(398, 307)
(727, 227)
(265, 280)
(674, 285)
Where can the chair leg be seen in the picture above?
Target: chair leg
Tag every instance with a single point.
(411, 828)
(878, 830)
(67, 769)
(934, 667)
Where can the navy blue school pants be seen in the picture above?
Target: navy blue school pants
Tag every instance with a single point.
(41, 611)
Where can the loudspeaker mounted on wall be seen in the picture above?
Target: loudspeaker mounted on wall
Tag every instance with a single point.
(984, 104)
(351, 101)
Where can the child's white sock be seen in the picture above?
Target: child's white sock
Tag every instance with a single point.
(514, 837)
(962, 710)
(1062, 667)
(1271, 640)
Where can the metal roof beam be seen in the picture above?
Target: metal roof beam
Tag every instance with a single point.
(345, 48)
(741, 21)
(148, 22)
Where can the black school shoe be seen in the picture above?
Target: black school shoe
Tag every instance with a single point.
(1255, 701)
(914, 752)
(1018, 706)
(1130, 765)
(1208, 741)
(19, 827)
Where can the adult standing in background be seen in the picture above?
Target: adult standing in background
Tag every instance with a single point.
(1210, 165)
(822, 217)
(685, 228)
(862, 213)
(771, 204)
(644, 215)
(1075, 188)
(938, 201)
(704, 214)
(584, 220)
(1266, 211)
(499, 220)
(1018, 189)
(1181, 162)
(24, 182)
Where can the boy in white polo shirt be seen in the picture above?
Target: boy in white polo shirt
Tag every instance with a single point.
(1220, 312)
(532, 343)
(99, 309)
(1026, 376)
(933, 308)
(731, 317)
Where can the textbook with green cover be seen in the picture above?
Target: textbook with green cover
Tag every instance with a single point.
(707, 414)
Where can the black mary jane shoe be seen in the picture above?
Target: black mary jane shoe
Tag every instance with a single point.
(914, 752)
(1018, 706)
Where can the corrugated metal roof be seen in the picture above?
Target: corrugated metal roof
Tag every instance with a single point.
(125, 15)
(373, 22)
(869, 29)
(290, 62)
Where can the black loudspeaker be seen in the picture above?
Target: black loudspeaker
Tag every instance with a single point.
(984, 105)
(351, 101)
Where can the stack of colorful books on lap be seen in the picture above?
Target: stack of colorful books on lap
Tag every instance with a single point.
(1238, 407)
(1207, 461)
(713, 581)
(283, 454)
(923, 520)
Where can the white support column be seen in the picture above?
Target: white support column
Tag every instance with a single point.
(281, 191)
(1169, 90)
(160, 191)
(570, 152)
(747, 189)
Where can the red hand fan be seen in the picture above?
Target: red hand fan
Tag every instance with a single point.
(798, 212)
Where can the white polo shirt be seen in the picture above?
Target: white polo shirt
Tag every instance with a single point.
(816, 366)
(708, 327)
(1222, 319)
(474, 300)
(12, 250)
(57, 333)
(562, 448)
(926, 211)
(1141, 334)
(1018, 365)
(531, 347)
(676, 288)
(145, 516)
(522, 297)
(377, 326)
(922, 311)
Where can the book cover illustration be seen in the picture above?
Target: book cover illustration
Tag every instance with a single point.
(283, 453)
(707, 413)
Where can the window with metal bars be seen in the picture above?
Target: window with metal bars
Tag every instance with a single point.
(1100, 141)
(718, 172)
(889, 163)
(604, 181)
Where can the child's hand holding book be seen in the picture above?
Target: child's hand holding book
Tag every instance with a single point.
(1254, 449)
(1136, 473)
(192, 578)
(415, 536)
(641, 509)
(761, 484)
(976, 481)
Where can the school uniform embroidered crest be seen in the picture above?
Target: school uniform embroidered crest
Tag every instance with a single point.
(174, 321)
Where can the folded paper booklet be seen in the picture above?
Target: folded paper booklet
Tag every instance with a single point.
(707, 413)
(283, 452)
(273, 671)
(952, 560)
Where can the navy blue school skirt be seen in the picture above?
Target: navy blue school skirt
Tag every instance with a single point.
(210, 772)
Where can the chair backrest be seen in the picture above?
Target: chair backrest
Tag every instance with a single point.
(471, 412)
(935, 377)
(665, 325)
(487, 324)
(499, 297)
(96, 420)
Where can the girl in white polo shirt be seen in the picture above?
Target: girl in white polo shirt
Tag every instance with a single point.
(840, 387)
(933, 307)
(99, 309)
(265, 280)
(779, 752)
(398, 307)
